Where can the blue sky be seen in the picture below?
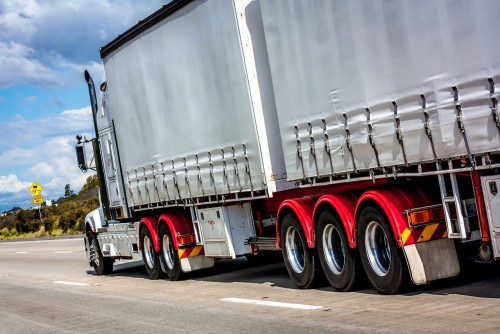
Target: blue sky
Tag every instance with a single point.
(45, 45)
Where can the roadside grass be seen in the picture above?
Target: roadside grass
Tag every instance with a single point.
(66, 217)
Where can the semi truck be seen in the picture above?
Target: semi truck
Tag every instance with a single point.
(359, 138)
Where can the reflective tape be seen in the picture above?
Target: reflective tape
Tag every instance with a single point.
(418, 234)
(190, 251)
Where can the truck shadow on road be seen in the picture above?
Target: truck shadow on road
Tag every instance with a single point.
(477, 280)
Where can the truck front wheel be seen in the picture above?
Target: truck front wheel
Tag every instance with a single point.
(168, 254)
(150, 257)
(379, 253)
(336, 257)
(299, 259)
(102, 265)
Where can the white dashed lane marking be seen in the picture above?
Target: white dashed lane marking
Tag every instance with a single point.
(272, 304)
(71, 283)
(56, 252)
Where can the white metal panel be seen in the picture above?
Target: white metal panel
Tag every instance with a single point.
(216, 234)
(112, 169)
(114, 195)
(108, 158)
(254, 48)
(491, 188)
(242, 227)
(331, 60)
(104, 118)
(224, 230)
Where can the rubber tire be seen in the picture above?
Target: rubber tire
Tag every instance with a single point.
(105, 265)
(304, 279)
(392, 281)
(343, 281)
(174, 273)
(154, 271)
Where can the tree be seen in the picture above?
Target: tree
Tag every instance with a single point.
(91, 183)
(67, 191)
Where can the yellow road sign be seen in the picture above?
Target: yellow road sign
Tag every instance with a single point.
(35, 189)
(37, 199)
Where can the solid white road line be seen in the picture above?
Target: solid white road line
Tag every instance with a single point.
(77, 239)
(271, 303)
(71, 283)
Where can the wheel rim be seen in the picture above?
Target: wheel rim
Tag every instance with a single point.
(148, 251)
(295, 249)
(168, 251)
(93, 253)
(377, 248)
(333, 249)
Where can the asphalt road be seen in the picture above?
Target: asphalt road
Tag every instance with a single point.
(47, 287)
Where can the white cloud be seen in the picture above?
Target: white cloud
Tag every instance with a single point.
(47, 144)
(51, 42)
(78, 114)
(21, 138)
(10, 184)
(39, 151)
(18, 65)
(54, 166)
(66, 172)
(22, 199)
(14, 19)
(43, 168)
(21, 64)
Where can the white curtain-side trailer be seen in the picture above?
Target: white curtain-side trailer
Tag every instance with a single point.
(353, 136)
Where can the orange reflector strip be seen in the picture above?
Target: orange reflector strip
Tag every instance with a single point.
(186, 239)
(425, 216)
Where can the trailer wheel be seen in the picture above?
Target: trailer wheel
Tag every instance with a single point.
(168, 255)
(102, 265)
(379, 253)
(299, 259)
(336, 257)
(150, 257)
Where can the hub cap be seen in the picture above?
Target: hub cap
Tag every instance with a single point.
(148, 252)
(295, 249)
(93, 252)
(333, 249)
(377, 248)
(168, 251)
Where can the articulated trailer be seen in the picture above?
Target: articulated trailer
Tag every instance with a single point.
(352, 136)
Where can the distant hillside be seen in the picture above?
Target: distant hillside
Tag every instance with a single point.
(66, 216)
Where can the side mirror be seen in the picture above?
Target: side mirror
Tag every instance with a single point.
(81, 157)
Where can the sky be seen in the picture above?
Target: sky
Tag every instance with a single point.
(45, 45)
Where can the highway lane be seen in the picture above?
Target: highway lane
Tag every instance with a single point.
(47, 287)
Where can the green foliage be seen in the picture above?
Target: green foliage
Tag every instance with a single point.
(67, 191)
(91, 183)
(65, 217)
